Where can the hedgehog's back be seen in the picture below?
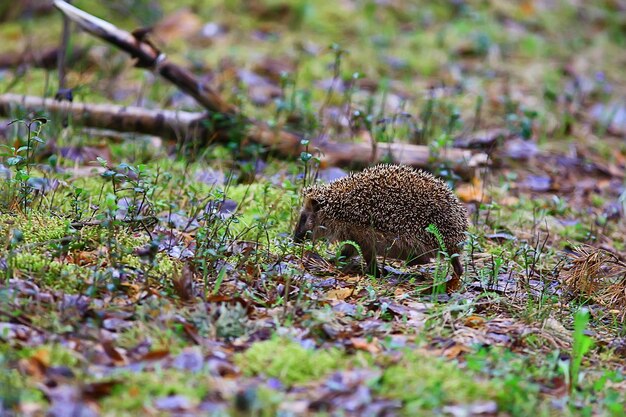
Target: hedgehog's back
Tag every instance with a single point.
(395, 199)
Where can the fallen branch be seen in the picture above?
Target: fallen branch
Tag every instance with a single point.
(177, 125)
(462, 161)
(169, 124)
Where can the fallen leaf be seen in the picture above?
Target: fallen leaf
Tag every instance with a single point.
(472, 192)
(114, 353)
(474, 321)
(155, 355)
(32, 367)
(520, 149)
(361, 343)
(97, 390)
(455, 351)
(481, 140)
(339, 293)
(556, 387)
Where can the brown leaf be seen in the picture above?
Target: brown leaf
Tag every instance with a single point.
(474, 321)
(114, 353)
(231, 300)
(155, 355)
(556, 387)
(361, 343)
(339, 293)
(97, 390)
(192, 332)
(274, 68)
(32, 367)
(469, 193)
(223, 368)
(184, 284)
(456, 350)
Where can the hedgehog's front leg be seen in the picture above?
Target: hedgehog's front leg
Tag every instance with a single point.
(369, 256)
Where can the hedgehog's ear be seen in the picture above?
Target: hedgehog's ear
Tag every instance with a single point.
(315, 205)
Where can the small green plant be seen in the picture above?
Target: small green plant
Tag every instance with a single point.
(21, 160)
(341, 245)
(580, 346)
(440, 273)
(310, 164)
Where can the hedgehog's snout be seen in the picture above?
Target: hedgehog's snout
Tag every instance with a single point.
(301, 230)
(298, 236)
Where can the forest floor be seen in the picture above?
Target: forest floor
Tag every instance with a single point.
(139, 277)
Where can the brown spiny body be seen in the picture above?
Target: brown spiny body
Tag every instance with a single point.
(386, 210)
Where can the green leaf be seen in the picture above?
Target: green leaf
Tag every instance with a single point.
(14, 161)
(305, 156)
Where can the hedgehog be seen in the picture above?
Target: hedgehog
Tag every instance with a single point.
(386, 210)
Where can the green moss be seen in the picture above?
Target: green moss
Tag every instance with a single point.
(424, 382)
(290, 362)
(36, 256)
(52, 355)
(141, 389)
(37, 227)
(53, 274)
(597, 200)
(163, 264)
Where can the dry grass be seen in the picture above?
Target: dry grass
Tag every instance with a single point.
(599, 275)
